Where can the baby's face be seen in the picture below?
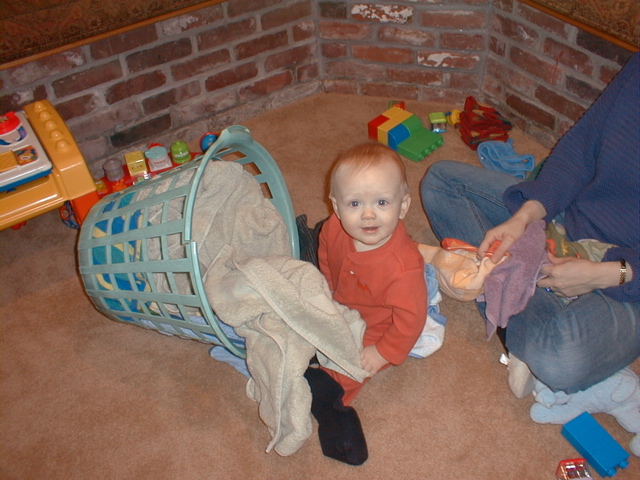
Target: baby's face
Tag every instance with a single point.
(369, 203)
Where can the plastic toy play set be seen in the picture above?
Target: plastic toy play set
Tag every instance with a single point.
(404, 132)
(41, 167)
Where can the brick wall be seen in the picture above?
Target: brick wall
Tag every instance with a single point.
(223, 64)
(544, 73)
(539, 71)
(176, 79)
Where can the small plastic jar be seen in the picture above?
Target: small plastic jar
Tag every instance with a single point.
(157, 158)
(113, 169)
(180, 152)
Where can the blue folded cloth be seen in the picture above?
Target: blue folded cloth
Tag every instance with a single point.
(501, 157)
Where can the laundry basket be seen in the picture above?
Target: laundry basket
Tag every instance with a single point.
(113, 254)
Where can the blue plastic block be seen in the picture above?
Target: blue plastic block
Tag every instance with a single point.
(397, 135)
(595, 444)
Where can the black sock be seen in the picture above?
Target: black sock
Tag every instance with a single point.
(339, 429)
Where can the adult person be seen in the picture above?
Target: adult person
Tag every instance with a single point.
(590, 184)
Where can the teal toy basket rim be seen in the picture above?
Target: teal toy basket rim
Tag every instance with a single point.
(113, 257)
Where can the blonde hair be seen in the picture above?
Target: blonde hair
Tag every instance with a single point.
(365, 155)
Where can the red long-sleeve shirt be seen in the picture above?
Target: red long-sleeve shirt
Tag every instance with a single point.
(386, 285)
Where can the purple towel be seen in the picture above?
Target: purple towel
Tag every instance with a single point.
(511, 283)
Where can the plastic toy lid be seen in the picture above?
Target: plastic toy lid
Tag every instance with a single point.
(9, 122)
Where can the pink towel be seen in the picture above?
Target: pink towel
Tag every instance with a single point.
(511, 283)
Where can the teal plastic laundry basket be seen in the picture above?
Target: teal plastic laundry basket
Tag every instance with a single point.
(113, 248)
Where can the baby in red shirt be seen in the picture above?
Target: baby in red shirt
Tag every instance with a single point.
(371, 263)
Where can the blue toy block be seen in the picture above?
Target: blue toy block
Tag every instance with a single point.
(397, 135)
(595, 444)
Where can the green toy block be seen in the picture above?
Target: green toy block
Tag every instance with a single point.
(420, 144)
(413, 124)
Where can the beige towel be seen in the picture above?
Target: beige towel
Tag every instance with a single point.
(283, 308)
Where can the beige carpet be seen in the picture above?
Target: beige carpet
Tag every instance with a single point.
(83, 397)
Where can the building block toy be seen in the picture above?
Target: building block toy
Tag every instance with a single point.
(403, 132)
(438, 122)
(575, 468)
(595, 444)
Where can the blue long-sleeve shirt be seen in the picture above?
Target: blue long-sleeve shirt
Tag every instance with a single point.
(593, 176)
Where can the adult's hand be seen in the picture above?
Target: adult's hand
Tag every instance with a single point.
(570, 276)
(509, 232)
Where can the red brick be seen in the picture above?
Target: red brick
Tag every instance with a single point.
(104, 120)
(491, 87)
(464, 20)
(346, 87)
(407, 36)
(462, 41)
(602, 48)
(541, 68)
(382, 54)
(225, 34)
(288, 14)
(159, 55)
(448, 60)
(343, 31)
(582, 90)
(308, 72)
(607, 73)
(170, 98)
(382, 13)
(266, 86)
(334, 50)
(260, 45)
(464, 81)
(568, 56)
(559, 103)
(197, 65)
(504, 5)
(289, 58)
(333, 10)
(124, 42)
(304, 30)
(93, 149)
(86, 79)
(389, 90)
(77, 107)
(543, 20)
(415, 76)
(240, 7)
(49, 66)
(509, 76)
(231, 77)
(497, 46)
(135, 86)
(356, 70)
(143, 131)
(530, 111)
(191, 20)
(17, 100)
(515, 31)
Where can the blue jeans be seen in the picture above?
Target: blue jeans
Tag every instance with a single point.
(568, 347)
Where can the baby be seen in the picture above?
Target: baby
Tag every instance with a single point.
(373, 266)
(369, 260)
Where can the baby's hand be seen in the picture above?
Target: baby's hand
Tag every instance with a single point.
(371, 360)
